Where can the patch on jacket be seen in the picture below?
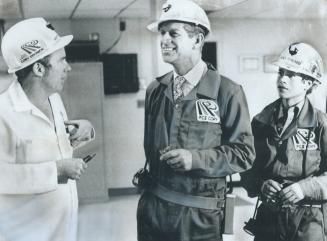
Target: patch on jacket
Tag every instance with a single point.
(207, 111)
(301, 140)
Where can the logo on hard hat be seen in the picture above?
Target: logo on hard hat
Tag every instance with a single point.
(166, 8)
(31, 48)
(293, 49)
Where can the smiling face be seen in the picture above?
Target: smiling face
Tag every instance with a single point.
(177, 46)
(292, 86)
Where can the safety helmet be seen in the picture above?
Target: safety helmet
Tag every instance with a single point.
(28, 41)
(302, 58)
(182, 10)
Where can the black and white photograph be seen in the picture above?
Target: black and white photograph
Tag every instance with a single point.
(163, 120)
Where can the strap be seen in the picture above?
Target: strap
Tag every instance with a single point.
(305, 156)
(186, 199)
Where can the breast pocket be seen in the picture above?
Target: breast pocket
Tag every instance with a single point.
(36, 150)
(202, 135)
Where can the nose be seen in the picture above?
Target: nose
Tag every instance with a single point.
(165, 37)
(283, 79)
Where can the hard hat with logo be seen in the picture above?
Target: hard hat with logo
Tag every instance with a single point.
(28, 41)
(184, 11)
(302, 58)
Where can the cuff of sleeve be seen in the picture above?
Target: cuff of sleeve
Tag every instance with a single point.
(197, 162)
(310, 188)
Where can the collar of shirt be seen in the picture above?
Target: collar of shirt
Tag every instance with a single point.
(193, 76)
(21, 102)
(290, 110)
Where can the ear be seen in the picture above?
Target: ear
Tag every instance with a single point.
(307, 84)
(199, 40)
(38, 69)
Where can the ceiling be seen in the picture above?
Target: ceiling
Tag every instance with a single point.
(77, 9)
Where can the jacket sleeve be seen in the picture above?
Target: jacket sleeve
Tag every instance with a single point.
(22, 178)
(253, 178)
(236, 153)
(315, 187)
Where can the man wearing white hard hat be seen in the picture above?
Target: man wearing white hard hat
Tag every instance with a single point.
(197, 131)
(38, 198)
(289, 172)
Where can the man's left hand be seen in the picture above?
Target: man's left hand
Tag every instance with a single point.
(178, 159)
(82, 131)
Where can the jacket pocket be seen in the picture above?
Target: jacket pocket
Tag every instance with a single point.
(201, 135)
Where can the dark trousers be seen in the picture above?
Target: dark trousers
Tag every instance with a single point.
(158, 220)
(290, 224)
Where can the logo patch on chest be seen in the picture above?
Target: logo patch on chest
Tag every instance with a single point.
(207, 111)
(301, 140)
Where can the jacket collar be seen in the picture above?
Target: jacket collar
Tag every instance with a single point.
(307, 117)
(208, 85)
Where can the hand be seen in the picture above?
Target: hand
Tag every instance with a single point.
(71, 168)
(178, 159)
(82, 131)
(291, 194)
(270, 188)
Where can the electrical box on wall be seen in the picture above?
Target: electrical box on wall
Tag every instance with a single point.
(83, 51)
(209, 53)
(120, 73)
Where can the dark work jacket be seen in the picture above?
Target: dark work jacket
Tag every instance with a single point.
(218, 149)
(282, 158)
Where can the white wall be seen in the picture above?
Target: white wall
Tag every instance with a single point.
(123, 130)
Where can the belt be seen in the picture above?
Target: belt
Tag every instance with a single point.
(186, 199)
(303, 205)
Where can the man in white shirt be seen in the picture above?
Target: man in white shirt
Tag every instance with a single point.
(38, 197)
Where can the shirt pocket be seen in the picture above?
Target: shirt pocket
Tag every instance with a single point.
(37, 150)
(202, 135)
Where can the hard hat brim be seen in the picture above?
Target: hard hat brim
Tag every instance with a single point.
(153, 27)
(294, 69)
(61, 43)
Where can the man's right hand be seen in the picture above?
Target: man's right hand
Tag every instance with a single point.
(270, 188)
(71, 168)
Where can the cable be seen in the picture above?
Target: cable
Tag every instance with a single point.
(123, 9)
(114, 44)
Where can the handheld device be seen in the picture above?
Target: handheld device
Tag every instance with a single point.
(89, 157)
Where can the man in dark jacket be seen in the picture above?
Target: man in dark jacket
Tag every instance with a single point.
(289, 173)
(197, 131)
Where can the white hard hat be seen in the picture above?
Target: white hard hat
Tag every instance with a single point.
(28, 41)
(181, 10)
(302, 58)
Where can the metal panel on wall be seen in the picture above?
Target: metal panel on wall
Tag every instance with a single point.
(83, 98)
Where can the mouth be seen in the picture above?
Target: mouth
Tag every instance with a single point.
(281, 88)
(167, 49)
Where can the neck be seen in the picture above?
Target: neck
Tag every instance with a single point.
(293, 101)
(186, 65)
(35, 92)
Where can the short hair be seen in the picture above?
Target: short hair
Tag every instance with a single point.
(193, 29)
(23, 73)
